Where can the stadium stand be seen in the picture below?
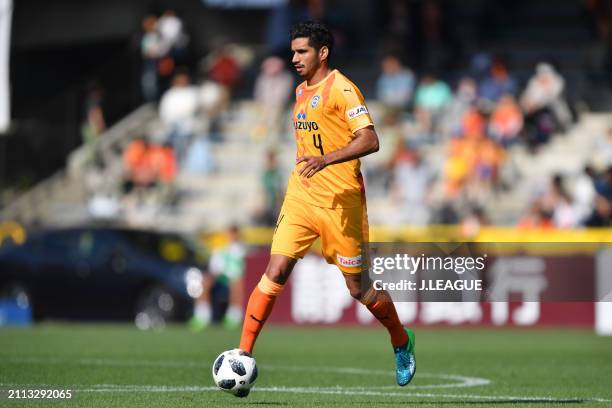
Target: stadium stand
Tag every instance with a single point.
(226, 187)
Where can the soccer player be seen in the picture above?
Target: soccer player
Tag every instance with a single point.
(325, 196)
(226, 266)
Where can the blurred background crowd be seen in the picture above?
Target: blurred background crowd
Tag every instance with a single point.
(176, 115)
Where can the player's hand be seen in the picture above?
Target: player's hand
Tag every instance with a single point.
(313, 165)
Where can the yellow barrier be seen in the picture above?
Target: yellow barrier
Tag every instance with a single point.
(440, 233)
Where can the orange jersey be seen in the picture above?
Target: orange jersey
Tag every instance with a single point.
(325, 118)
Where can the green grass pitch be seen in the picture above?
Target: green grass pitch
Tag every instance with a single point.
(119, 366)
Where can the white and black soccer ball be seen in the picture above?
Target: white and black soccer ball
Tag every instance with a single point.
(235, 371)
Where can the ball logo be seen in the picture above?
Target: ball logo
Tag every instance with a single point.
(357, 111)
(315, 101)
(349, 261)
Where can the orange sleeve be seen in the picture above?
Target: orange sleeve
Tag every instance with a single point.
(352, 103)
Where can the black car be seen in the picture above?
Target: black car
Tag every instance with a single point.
(103, 274)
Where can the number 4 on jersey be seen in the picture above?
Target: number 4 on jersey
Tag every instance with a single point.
(316, 141)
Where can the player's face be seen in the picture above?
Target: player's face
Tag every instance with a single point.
(306, 59)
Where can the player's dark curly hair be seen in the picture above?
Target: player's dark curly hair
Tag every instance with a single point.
(317, 33)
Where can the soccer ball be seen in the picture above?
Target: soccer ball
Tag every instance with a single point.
(235, 371)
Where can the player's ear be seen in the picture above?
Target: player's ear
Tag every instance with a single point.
(323, 53)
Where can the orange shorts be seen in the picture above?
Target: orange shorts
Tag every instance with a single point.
(343, 232)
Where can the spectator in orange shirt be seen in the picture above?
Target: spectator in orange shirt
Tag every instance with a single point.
(537, 218)
(139, 168)
(506, 121)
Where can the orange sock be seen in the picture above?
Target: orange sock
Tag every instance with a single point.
(384, 310)
(258, 309)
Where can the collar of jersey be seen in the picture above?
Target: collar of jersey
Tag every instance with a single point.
(321, 82)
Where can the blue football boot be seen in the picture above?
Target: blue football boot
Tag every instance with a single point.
(405, 361)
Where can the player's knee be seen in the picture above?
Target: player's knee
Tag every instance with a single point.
(278, 271)
(364, 296)
(275, 274)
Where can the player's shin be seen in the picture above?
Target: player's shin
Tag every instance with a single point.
(380, 304)
(258, 309)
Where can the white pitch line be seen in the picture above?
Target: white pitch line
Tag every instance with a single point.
(366, 391)
(459, 381)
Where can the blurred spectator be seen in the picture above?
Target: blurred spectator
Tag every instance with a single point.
(395, 85)
(223, 67)
(457, 167)
(485, 177)
(225, 63)
(272, 183)
(584, 194)
(177, 110)
(139, 170)
(418, 132)
(602, 213)
(199, 158)
(378, 168)
(412, 181)
(473, 124)
(432, 95)
(537, 218)
(480, 66)
(496, 84)
(603, 148)
(558, 201)
(463, 99)
(148, 165)
(213, 99)
(94, 124)
(544, 92)
(226, 268)
(173, 43)
(506, 121)
(604, 185)
(470, 225)
(151, 49)
(564, 214)
(273, 88)
(164, 162)
(173, 36)
(474, 161)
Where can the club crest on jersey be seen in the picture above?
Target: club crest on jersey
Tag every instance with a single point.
(349, 262)
(357, 111)
(301, 115)
(315, 101)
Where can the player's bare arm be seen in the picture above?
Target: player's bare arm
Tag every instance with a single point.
(364, 143)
